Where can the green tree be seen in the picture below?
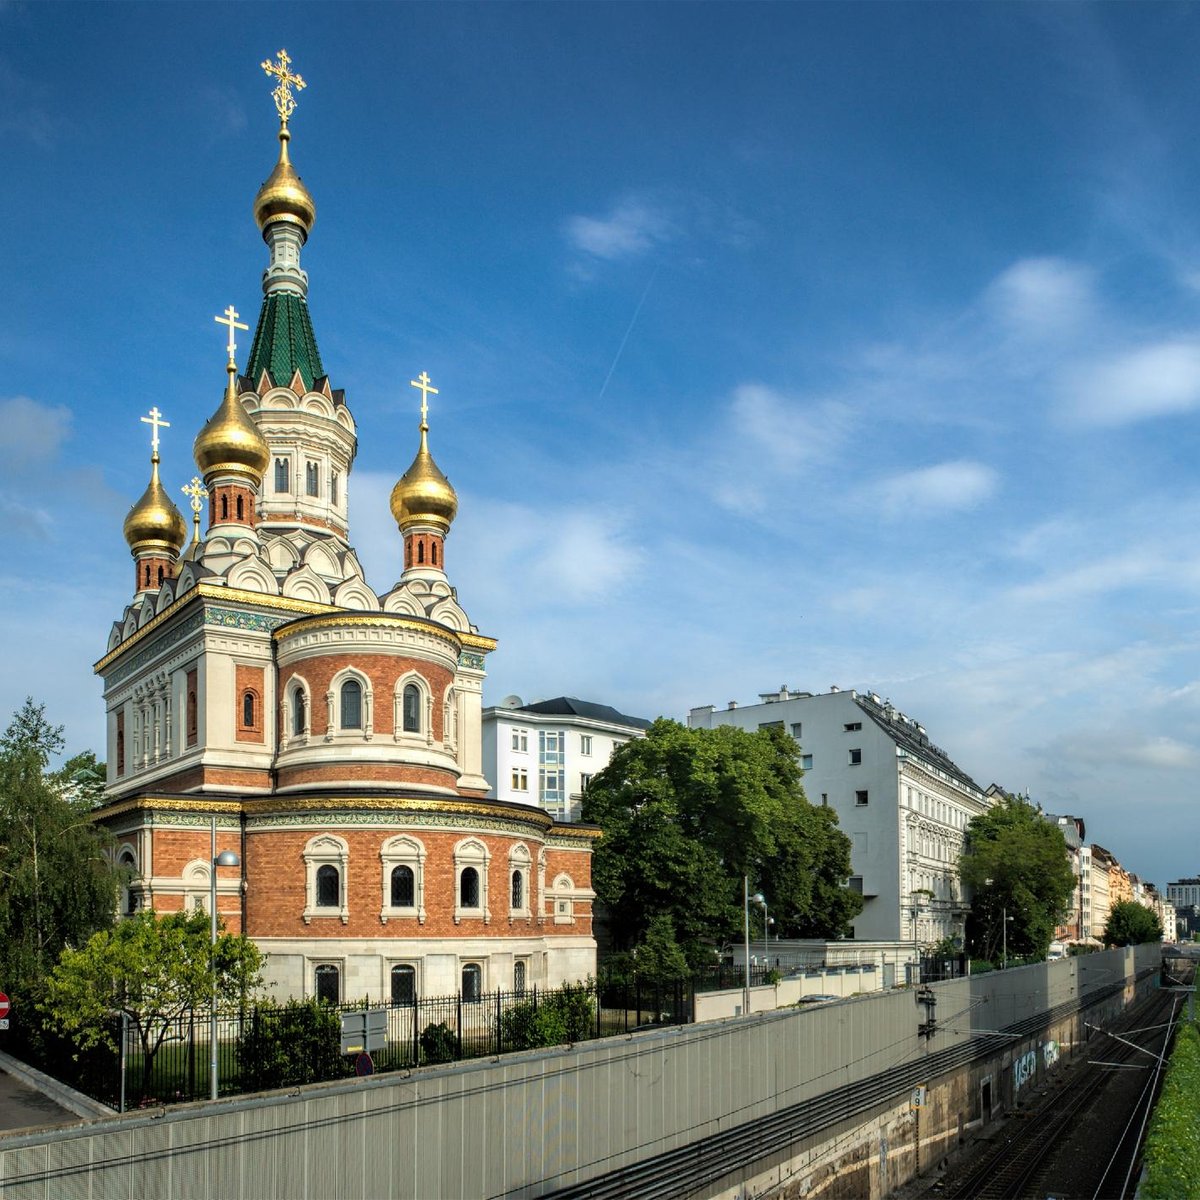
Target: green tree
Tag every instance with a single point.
(687, 812)
(658, 957)
(57, 883)
(1015, 862)
(1131, 924)
(154, 970)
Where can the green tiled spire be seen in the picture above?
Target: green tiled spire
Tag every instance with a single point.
(284, 342)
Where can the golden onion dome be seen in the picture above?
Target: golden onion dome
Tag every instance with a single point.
(231, 441)
(283, 197)
(154, 524)
(423, 495)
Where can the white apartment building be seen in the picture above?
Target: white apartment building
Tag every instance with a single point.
(900, 799)
(546, 753)
(1184, 892)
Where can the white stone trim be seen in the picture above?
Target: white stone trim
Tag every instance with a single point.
(472, 852)
(404, 850)
(326, 850)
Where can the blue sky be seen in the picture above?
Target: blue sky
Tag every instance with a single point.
(809, 344)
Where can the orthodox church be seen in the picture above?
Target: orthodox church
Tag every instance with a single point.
(264, 703)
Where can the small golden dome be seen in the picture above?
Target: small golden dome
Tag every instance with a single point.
(423, 495)
(231, 441)
(283, 197)
(154, 524)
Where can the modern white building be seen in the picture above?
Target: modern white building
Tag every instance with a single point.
(1184, 892)
(546, 753)
(900, 799)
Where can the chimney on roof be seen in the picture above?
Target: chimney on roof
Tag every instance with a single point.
(833, 687)
(783, 692)
(732, 705)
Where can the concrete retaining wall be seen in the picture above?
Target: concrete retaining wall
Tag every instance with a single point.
(528, 1124)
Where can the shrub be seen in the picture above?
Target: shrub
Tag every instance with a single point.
(567, 1015)
(1173, 1144)
(293, 1043)
(439, 1043)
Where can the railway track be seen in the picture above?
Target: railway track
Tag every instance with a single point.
(1017, 1168)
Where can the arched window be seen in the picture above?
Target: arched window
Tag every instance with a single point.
(299, 712)
(248, 710)
(160, 576)
(328, 887)
(241, 512)
(328, 981)
(403, 887)
(472, 981)
(420, 552)
(351, 704)
(147, 574)
(433, 553)
(282, 483)
(193, 730)
(468, 888)
(404, 984)
(224, 508)
(519, 977)
(518, 889)
(412, 709)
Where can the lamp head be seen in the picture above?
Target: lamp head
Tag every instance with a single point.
(227, 858)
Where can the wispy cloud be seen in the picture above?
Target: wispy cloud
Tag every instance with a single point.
(630, 229)
(1154, 380)
(31, 434)
(946, 487)
(1043, 297)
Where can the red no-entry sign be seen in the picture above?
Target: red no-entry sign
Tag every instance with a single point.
(4, 1007)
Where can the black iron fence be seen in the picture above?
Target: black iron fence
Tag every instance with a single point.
(270, 1045)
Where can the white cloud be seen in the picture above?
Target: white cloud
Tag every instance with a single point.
(629, 230)
(946, 487)
(31, 433)
(1150, 381)
(791, 432)
(1042, 296)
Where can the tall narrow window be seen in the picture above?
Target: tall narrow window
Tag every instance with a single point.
(333, 487)
(241, 510)
(468, 888)
(412, 708)
(420, 552)
(404, 984)
(248, 710)
(192, 718)
(282, 482)
(518, 890)
(472, 981)
(433, 553)
(351, 704)
(161, 575)
(120, 743)
(328, 887)
(299, 714)
(519, 977)
(328, 980)
(224, 508)
(312, 479)
(403, 890)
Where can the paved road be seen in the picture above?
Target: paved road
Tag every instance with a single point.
(22, 1107)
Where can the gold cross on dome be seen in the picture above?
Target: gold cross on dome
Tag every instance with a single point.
(195, 492)
(285, 102)
(231, 319)
(422, 384)
(155, 421)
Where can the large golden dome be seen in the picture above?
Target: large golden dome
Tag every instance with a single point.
(423, 495)
(283, 197)
(154, 524)
(231, 441)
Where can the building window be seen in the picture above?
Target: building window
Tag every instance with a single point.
(403, 861)
(585, 743)
(404, 984)
(412, 708)
(520, 740)
(852, 726)
(471, 859)
(404, 890)
(120, 744)
(326, 862)
(299, 712)
(856, 758)
(192, 718)
(329, 892)
(519, 975)
(468, 888)
(824, 799)
(248, 710)
(312, 479)
(518, 889)
(241, 516)
(520, 780)
(585, 781)
(806, 762)
(860, 799)
(472, 981)
(283, 472)
(855, 884)
(796, 730)
(329, 983)
(351, 701)
(333, 487)
(770, 724)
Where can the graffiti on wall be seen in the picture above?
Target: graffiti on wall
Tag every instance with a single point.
(1049, 1054)
(1024, 1070)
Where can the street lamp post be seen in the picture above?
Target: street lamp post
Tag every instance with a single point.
(1005, 918)
(746, 939)
(758, 898)
(226, 858)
